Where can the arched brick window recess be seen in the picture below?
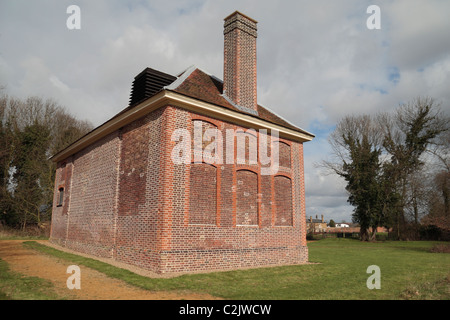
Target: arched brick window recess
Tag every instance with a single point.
(246, 147)
(283, 201)
(199, 141)
(246, 198)
(202, 194)
(284, 151)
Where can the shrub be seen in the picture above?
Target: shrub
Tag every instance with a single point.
(382, 236)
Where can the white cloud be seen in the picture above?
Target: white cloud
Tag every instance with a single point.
(59, 84)
(418, 31)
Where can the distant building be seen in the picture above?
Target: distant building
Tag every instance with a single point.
(316, 225)
(342, 225)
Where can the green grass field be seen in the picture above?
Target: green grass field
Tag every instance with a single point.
(408, 271)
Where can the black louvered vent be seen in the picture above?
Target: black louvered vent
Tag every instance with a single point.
(147, 83)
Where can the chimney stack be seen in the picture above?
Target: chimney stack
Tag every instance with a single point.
(239, 76)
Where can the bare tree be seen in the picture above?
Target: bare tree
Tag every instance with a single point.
(382, 158)
(408, 135)
(438, 208)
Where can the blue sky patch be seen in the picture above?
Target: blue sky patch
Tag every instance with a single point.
(394, 75)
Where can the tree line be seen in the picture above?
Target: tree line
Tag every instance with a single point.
(31, 131)
(397, 169)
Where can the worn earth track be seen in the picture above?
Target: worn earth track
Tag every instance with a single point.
(94, 285)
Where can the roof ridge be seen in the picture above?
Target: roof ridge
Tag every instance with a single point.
(210, 74)
(181, 78)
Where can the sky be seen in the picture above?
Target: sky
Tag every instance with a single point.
(317, 60)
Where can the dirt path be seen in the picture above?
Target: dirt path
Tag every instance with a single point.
(94, 285)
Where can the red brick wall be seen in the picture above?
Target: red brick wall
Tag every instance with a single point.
(284, 150)
(299, 188)
(227, 244)
(133, 169)
(246, 198)
(63, 180)
(283, 201)
(92, 198)
(139, 210)
(202, 194)
(147, 211)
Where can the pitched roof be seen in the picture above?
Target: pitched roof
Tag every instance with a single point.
(200, 85)
(192, 83)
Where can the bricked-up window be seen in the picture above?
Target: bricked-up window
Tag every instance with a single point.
(246, 198)
(200, 141)
(246, 147)
(283, 201)
(284, 154)
(60, 197)
(203, 194)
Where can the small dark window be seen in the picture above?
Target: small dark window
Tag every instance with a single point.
(61, 197)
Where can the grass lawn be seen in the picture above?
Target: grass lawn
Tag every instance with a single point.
(408, 271)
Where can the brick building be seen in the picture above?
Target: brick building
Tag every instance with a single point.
(316, 225)
(120, 194)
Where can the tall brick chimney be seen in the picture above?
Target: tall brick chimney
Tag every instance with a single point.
(239, 76)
